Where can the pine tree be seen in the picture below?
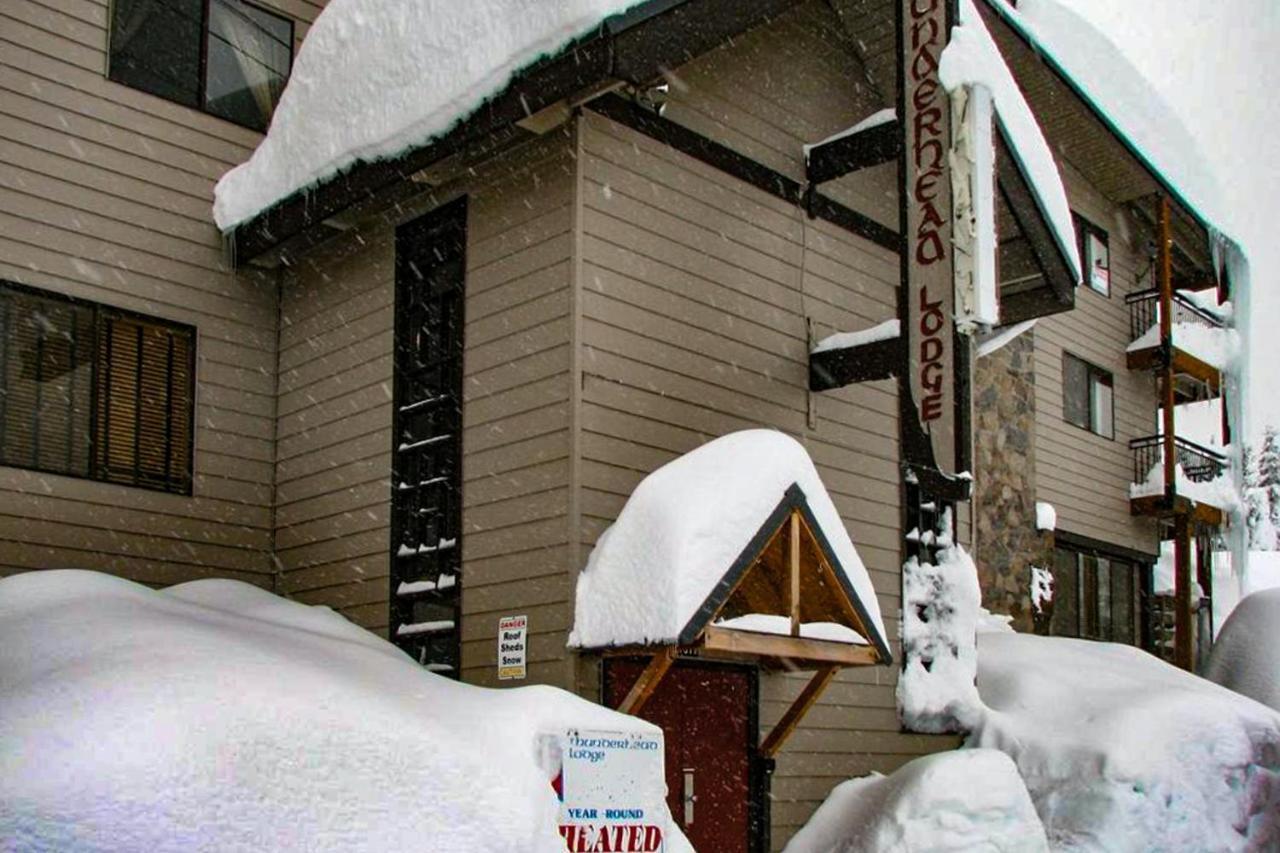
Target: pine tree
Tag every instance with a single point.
(1249, 464)
(1269, 480)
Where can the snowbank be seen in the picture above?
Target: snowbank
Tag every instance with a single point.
(972, 59)
(1246, 655)
(216, 716)
(953, 801)
(685, 525)
(1121, 751)
(941, 607)
(374, 79)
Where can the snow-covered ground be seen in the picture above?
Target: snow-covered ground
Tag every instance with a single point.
(216, 716)
(1121, 751)
(953, 801)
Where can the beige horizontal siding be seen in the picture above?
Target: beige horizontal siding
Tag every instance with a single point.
(334, 455)
(1086, 477)
(695, 291)
(105, 194)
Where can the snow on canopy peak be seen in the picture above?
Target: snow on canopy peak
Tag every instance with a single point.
(683, 528)
(374, 79)
(1126, 98)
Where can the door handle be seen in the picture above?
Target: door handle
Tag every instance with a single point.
(689, 797)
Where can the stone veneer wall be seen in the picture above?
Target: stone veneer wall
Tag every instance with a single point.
(1006, 542)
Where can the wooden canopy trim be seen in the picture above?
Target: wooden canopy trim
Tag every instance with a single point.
(785, 726)
(793, 500)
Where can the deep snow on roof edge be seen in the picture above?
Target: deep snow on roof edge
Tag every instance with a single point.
(374, 79)
(683, 528)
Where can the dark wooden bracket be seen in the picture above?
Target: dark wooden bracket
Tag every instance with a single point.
(836, 368)
(874, 146)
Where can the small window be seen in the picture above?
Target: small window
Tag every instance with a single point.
(1088, 396)
(226, 57)
(1095, 255)
(90, 391)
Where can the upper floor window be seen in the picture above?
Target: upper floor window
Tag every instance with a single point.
(1088, 396)
(226, 57)
(95, 392)
(1095, 255)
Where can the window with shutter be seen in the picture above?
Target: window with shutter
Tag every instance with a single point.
(90, 391)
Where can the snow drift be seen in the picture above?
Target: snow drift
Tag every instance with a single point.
(216, 716)
(685, 525)
(1121, 751)
(1246, 656)
(953, 801)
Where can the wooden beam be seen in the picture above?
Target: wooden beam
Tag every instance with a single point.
(773, 742)
(1164, 270)
(793, 598)
(873, 146)
(800, 651)
(836, 368)
(647, 683)
(1184, 615)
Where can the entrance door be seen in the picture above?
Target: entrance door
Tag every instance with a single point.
(707, 717)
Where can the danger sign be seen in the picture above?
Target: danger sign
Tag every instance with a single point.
(512, 646)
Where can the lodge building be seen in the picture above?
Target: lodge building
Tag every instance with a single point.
(419, 392)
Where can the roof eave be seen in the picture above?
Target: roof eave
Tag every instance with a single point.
(635, 46)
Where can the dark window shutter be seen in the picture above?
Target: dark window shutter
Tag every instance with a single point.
(46, 368)
(145, 398)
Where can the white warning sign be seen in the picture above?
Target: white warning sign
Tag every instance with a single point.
(513, 645)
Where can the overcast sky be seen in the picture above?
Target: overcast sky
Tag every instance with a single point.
(1216, 63)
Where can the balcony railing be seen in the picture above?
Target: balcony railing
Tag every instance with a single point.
(1144, 313)
(1199, 464)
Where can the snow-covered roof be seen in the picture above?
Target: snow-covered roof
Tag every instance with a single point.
(374, 78)
(217, 716)
(685, 527)
(973, 59)
(1124, 98)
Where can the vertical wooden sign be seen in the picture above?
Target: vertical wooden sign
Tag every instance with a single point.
(934, 389)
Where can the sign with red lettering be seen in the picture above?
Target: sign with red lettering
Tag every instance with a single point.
(512, 645)
(933, 406)
(612, 790)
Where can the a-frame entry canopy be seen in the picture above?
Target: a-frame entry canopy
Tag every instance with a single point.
(785, 603)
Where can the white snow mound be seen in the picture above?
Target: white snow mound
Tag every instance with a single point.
(375, 78)
(970, 800)
(1121, 751)
(1246, 655)
(216, 716)
(685, 525)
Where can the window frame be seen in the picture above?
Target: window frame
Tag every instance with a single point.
(202, 84)
(1115, 559)
(1084, 230)
(102, 312)
(1093, 374)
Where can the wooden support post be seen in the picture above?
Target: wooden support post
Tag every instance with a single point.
(1164, 249)
(793, 599)
(647, 683)
(773, 742)
(1184, 615)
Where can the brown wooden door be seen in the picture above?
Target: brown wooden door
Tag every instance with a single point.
(705, 712)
